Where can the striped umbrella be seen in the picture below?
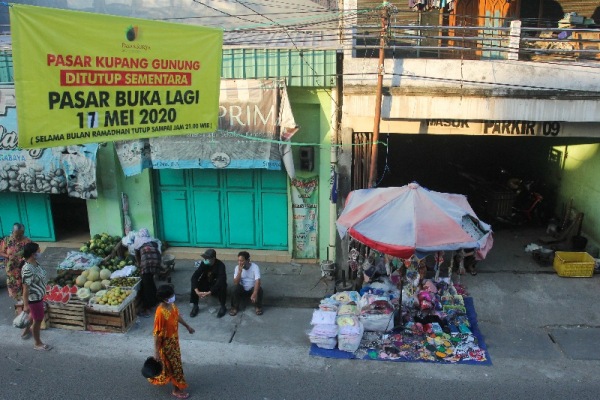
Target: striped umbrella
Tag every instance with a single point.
(407, 220)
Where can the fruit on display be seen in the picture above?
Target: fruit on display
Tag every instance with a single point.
(105, 283)
(100, 244)
(124, 282)
(93, 275)
(105, 274)
(112, 297)
(95, 286)
(64, 278)
(116, 263)
(59, 294)
(80, 281)
(84, 294)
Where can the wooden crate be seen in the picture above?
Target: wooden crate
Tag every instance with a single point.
(102, 321)
(67, 316)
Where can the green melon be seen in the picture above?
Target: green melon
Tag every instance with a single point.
(85, 273)
(93, 276)
(95, 286)
(106, 283)
(83, 294)
(80, 281)
(87, 284)
(105, 274)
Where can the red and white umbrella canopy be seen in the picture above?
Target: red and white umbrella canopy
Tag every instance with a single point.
(402, 221)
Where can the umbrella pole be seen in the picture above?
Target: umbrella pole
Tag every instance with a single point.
(401, 323)
(451, 268)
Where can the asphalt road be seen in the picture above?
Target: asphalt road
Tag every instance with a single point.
(541, 331)
(84, 369)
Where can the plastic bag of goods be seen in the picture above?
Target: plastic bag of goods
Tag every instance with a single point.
(377, 316)
(346, 297)
(349, 325)
(348, 309)
(377, 322)
(324, 335)
(324, 342)
(350, 342)
(321, 317)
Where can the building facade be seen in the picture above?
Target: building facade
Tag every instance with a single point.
(479, 84)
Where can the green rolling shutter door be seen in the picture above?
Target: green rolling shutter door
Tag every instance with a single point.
(223, 208)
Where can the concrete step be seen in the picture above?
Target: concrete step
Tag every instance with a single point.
(231, 254)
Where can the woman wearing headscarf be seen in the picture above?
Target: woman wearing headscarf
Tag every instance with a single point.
(34, 289)
(148, 259)
(166, 342)
(11, 248)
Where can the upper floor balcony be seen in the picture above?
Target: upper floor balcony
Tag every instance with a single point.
(473, 30)
(442, 64)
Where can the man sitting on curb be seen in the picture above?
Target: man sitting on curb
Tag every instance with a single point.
(247, 284)
(209, 279)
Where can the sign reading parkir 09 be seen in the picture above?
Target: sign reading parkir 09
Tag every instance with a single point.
(88, 78)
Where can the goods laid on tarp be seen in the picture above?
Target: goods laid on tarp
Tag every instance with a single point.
(430, 324)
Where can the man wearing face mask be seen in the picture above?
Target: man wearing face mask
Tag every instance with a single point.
(209, 279)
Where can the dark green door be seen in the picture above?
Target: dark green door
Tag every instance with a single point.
(223, 208)
(32, 210)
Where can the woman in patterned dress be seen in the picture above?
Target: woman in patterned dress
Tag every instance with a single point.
(11, 248)
(166, 342)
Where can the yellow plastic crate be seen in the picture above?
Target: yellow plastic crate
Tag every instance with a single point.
(574, 264)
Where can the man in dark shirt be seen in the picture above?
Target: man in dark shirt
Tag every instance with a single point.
(209, 279)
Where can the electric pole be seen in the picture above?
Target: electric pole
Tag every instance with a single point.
(385, 18)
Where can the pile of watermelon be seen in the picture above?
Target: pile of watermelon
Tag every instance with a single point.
(59, 294)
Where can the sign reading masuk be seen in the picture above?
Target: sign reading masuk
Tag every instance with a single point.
(87, 78)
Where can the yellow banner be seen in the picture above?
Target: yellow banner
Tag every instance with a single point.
(88, 78)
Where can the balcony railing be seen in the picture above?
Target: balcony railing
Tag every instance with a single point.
(480, 42)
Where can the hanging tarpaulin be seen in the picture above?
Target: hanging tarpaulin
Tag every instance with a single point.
(287, 129)
(247, 138)
(66, 169)
(305, 200)
(88, 78)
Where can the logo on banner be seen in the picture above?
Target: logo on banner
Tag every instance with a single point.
(132, 33)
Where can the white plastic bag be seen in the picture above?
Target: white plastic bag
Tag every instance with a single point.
(22, 320)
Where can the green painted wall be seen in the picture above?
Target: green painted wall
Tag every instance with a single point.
(579, 181)
(317, 101)
(104, 213)
(138, 189)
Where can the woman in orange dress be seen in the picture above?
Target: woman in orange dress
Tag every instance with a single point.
(166, 342)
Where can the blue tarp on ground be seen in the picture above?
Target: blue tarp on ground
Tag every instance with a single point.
(471, 315)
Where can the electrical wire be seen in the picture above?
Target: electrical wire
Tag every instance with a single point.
(283, 142)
